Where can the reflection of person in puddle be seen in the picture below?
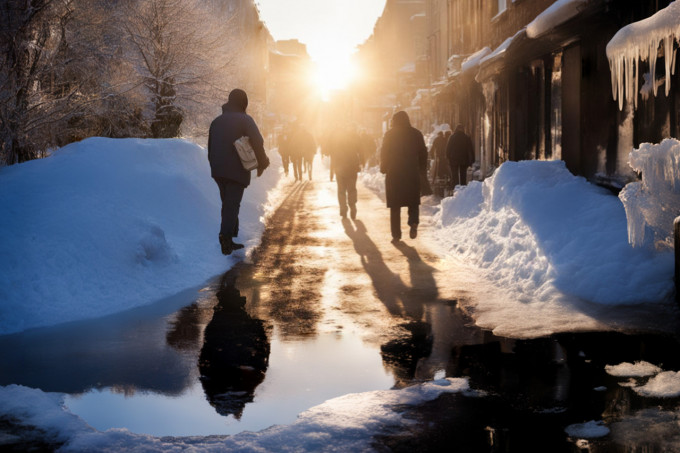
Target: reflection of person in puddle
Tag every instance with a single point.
(235, 354)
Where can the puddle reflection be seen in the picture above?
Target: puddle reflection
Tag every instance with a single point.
(235, 353)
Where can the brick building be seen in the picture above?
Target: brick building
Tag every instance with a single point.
(530, 79)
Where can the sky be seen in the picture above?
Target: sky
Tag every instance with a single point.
(331, 29)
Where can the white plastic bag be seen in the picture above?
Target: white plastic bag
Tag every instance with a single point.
(246, 153)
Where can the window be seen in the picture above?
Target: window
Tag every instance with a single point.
(502, 5)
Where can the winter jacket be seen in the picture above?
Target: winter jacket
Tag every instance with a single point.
(403, 155)
(459, 149)
(231, 125)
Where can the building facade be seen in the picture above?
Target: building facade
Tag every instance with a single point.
(530, 79)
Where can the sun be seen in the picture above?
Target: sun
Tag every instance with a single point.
(333, 74)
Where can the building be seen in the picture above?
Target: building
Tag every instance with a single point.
(531, 79)
(393, 63)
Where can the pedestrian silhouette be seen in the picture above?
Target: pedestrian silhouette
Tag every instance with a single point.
(225, 164)
(403, 156)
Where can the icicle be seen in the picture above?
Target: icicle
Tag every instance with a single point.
(653, 203)
(640, 41)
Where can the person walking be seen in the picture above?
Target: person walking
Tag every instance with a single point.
(440, 168)
(461, 155)
(284, 149)
(346, 161)
(302, 151)
(402, 157)
(225, 165)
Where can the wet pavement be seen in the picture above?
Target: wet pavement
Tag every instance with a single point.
(329, 306)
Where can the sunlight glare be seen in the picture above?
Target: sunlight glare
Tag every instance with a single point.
(334, 74)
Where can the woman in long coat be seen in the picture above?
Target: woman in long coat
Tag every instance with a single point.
(402, 157)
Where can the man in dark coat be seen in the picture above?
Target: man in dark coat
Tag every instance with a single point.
(225, 165)
(403, 156)
(346, 160)
(460, 154)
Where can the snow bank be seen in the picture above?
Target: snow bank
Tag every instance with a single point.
(105, 225)
(556, 14)
(538, 232)
(347, 423)
(662, 384)
(640, 41)
(653, 203)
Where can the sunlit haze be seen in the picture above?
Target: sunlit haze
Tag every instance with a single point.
(331, 29)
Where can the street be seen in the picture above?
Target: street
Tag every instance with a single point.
(328, 306)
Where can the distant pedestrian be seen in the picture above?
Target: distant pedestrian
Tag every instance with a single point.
(461, 155)
(403, 156)
(346, 160)
(284, 149)
(441, 172)
(302, 150)
(225, 164)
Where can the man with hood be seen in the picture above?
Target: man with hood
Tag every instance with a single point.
(225, 164)
(403, 156)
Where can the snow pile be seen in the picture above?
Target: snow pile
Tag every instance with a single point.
(556, 14)
(653, 203)
(637, 369)
(347, 423)
(105, 225)
(372, 179)
(535, 228)
(640, 41)
(662, 384)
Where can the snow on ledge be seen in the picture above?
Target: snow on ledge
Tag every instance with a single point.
(499, 51)
(640, 41)
(556, 14)
(473, 60)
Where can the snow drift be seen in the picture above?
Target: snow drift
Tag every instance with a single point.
(537, 231)
(105, 225)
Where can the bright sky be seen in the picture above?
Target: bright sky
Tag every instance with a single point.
(332, 29)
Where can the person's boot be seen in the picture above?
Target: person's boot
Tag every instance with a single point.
(353, 212)
(413, 233)
(235, 245)
(225, 243)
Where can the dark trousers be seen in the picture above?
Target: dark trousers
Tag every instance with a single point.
(458, 174)
(297, 167)
(231, 194)
(347, 191)
(395, 219)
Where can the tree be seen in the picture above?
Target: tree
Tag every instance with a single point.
(60, 76)
(178, 52)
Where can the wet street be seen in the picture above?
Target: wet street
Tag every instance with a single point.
(329, 306)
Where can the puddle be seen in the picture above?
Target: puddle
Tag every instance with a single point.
(300, 375)
(211, 368)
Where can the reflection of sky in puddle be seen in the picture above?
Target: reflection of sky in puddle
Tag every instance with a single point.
(300, 375)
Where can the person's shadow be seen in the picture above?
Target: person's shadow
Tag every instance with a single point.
(389, 286)
(402, 353)
(423, 283)
(235, 353)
